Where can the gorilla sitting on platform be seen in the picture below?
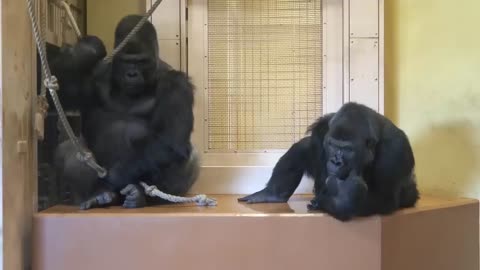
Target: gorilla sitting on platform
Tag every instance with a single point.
(361, 162)
(137, 120)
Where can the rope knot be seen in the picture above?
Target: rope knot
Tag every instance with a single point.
(203, 200)
(84, 156)
(51, 83)
(150, 190)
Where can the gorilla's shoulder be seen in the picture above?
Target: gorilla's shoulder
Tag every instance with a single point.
(176, 75)
(177, 83)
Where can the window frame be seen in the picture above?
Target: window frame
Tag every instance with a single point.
(353, 36)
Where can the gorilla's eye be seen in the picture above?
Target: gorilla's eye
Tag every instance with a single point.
(331, 147)
(143, 61)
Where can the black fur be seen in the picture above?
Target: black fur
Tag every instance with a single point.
(137, 120)
(361, 162)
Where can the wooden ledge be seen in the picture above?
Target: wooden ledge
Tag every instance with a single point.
(229, 206)
(440, 234)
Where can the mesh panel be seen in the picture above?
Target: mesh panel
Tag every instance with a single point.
(264, 72)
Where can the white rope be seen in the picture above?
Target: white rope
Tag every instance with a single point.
(68, 10)
(52, 85)
(200, 200)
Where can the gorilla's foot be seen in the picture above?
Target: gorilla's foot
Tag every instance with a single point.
(134, 196)
(103, 199)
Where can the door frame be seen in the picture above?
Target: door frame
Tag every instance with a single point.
(241, 173)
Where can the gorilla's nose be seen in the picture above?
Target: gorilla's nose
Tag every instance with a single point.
(132, 74)
(336, 162)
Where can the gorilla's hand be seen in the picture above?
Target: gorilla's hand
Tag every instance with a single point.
(73, 68)
(263, 196)
(83, 56)
(342, 198)
(90, 48)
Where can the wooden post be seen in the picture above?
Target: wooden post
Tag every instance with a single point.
(18, 141)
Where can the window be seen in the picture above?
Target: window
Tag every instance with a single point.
(264, 73)
(266, 69)
(57, 28)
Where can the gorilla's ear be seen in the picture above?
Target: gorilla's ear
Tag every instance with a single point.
(321, 125)
(371, 143)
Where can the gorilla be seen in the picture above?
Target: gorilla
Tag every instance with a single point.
(362, 165)
(137, 119)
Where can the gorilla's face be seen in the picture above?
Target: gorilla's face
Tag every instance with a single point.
(135, 67)
(341, 157)
(347, 151)
(134, 72)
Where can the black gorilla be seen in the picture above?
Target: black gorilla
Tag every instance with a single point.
(361, 162)
(137, 120)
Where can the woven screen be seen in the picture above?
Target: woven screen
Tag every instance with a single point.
(264, 72)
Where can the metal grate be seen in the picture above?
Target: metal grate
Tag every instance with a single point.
(264, 72)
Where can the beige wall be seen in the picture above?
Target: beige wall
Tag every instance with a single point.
(433, 92)
(103, 16)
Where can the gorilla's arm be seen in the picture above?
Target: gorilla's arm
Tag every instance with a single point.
(342, 199)
(302, 157)
(74, 67)
(286, 176)
(172, 124)
(173, 119)
(392, 173)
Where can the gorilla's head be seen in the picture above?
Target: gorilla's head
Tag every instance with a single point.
(134, 67)
(350, 142)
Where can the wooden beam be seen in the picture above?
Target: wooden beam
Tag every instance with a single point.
(18, 92)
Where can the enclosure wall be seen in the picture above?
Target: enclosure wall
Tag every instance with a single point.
(433, 91)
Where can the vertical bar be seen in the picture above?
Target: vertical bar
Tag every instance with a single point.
(381, 56)
(205, 88)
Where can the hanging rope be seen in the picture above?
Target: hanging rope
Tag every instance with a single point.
(70, 17)
(51, 83)
(42, 103)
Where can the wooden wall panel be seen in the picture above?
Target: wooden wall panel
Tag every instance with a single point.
(18, 140)
(364, 18)
(364, 72)
(167, 19)
(333, 55)
(363, 52)
(170, 52)
(167, 22)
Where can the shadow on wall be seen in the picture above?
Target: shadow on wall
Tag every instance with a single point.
(446, 159)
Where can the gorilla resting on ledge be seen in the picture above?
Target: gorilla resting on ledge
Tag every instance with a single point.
(361, 162)
(137, 120)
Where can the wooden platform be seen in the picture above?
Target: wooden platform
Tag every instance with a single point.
(440, 234)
